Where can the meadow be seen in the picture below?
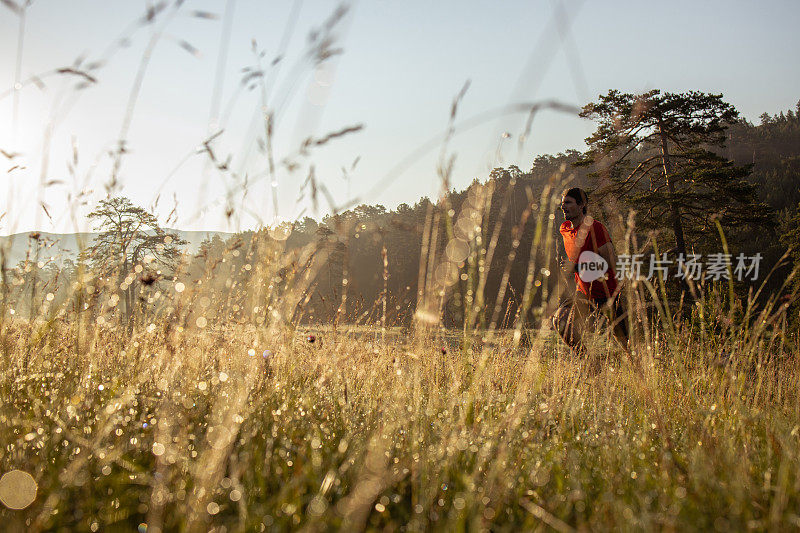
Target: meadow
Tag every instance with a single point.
(242, 428)
(160, 392)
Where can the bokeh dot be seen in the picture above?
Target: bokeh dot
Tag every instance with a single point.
(17, 489)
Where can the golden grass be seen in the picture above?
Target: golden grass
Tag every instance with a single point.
(170, 425)
(198, 430)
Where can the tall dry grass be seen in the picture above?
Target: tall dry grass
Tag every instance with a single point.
(228, 428)
(194, 422)
(183, 424)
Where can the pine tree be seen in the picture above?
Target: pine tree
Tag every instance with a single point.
(131, 250)
(653, 151)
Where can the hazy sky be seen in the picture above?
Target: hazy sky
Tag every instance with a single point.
(400, 67)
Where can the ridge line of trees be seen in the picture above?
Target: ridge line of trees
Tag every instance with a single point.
(758, 164)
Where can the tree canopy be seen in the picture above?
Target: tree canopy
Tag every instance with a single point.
(656, 153)
(132, 248)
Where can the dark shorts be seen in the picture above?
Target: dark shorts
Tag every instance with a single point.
(615, 313)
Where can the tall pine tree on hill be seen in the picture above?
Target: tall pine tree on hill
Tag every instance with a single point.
(655, 151)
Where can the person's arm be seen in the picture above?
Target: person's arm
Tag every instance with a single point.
(567, 266)
(607, 252)
(604, 246)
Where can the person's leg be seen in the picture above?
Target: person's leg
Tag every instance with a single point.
(562, 321)
(570, 320)
(618, 315)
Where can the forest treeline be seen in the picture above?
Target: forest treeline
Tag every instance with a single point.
(364, 265)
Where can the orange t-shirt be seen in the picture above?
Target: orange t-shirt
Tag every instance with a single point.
(590, 236)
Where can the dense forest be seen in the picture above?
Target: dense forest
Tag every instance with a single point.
(364, 265)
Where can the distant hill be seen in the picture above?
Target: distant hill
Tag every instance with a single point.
(61, 246)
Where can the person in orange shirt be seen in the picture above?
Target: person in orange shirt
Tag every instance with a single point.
(591, 258)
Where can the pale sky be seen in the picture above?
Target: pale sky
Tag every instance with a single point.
(401, 66)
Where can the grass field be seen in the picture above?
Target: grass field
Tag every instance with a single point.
(246, 429)
(179, 393)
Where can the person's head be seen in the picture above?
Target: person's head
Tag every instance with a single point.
(573, 203)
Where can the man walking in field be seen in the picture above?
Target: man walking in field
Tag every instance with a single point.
(591, 258)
